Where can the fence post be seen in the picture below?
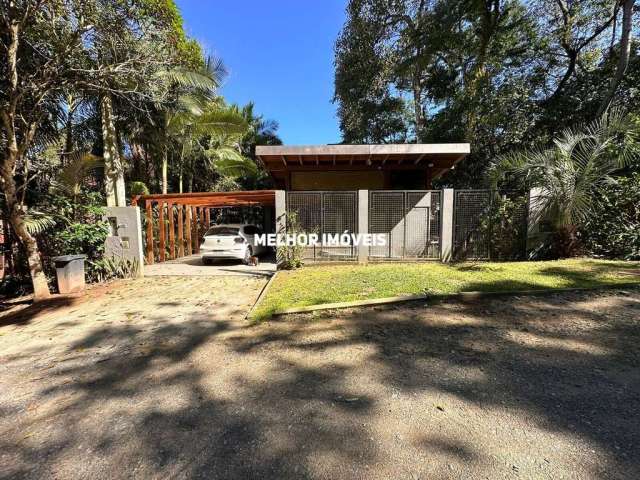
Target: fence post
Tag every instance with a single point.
(125, 237)
(281, 210)
(363, 223)
(447, 225)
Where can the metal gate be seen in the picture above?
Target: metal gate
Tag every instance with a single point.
(326, 213)
(410, 221)
(489, 225)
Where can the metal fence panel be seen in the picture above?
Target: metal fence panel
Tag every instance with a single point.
(410, 221)
(326, 213)
(489, 225)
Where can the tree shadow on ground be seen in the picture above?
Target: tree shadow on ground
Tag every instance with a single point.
(205, 397)
(145, 401)
(568, 368)
(22, 313)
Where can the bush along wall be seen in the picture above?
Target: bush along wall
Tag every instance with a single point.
(613, 230)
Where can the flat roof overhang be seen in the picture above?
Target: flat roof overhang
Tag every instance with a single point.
(212, 199)
(438, 156)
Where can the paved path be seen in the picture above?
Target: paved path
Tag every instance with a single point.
(193, 266)
(162, 378)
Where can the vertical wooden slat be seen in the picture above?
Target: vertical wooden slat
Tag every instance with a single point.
(172, 232)
(161, 233)
(149, 220)
(207, 218)
(180, 231)
(196, 228)
(189, 230)
(203, 228)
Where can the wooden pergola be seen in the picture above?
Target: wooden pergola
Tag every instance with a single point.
(428, 160)
(183, 218)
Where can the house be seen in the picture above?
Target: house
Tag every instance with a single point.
(360, 167)
(376, 189)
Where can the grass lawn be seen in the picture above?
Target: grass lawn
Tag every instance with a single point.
(314, 285)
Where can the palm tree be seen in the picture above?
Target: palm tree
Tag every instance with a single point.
(188, 94)
(213, 133)
(571, 172)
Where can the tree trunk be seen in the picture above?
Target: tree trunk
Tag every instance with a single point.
(114, 175)
(417, 106)
(16, 219)
(623, 60)
(165, 156)
(165, 168)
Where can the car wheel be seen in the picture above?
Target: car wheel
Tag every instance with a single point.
(247, 255)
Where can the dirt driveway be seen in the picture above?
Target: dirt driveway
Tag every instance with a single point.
(161, 378)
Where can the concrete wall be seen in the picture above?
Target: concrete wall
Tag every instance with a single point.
(125, 236)
(338, 180)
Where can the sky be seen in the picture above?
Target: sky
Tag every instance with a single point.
(279, 54)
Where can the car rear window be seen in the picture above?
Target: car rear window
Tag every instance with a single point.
(223, 231)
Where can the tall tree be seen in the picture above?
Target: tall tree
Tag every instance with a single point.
(54, 48)
(625, 52)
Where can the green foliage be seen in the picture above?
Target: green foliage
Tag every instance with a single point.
(578, 165)
(347, 283)
(74, 172)
(138, 188)
(38, 222)
(81, 229)
(289, 257)
(105, 269)
(500, 75)
(613, 227)
(505, 228)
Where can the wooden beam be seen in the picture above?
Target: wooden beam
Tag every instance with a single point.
(300, 159)
(172, 231)
(180, 231)
(189, 229)
(181, 196)
(334, 159)
(284, 161)
(358, 167)
(317, 160)
(149, 223)
(161, 233)
(420, 158)
(384, 160)
(207, 218)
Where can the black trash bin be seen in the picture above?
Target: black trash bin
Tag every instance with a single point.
(70, 273)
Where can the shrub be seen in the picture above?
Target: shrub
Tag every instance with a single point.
(79, 229)
(613, 228)
(505, 227)
(290, 256)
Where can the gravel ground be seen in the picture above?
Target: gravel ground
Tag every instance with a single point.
(162, 378)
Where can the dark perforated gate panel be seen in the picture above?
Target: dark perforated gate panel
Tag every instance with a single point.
(326, 213)
(410, 222)
(483, 230)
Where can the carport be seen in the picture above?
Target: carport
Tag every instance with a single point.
(174, 224)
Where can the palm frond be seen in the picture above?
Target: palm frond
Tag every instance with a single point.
(37, 222)
(78, 166)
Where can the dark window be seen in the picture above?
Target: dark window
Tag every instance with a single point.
(250, 230)
(408, 180)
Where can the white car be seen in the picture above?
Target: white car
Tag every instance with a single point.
(233, 241)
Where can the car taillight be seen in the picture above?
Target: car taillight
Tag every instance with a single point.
(238, 240)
